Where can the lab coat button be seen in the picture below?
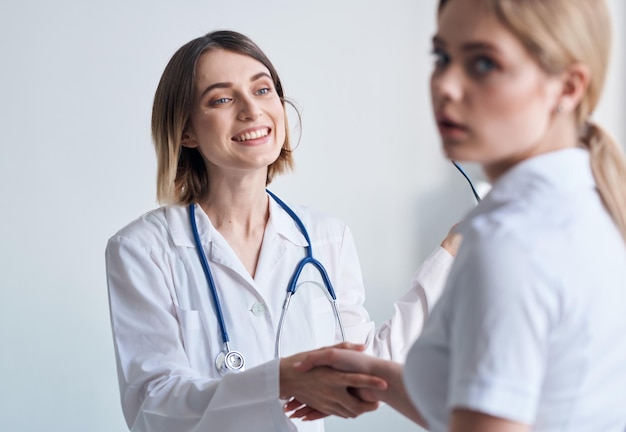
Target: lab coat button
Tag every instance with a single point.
(258, 309)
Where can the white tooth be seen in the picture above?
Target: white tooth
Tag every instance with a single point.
(253, 135)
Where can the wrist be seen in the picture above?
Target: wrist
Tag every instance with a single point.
(285, 372)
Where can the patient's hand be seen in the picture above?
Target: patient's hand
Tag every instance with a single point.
(318, 390)
(452, 241)
(355, 362)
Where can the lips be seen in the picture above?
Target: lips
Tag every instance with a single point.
(448, 127)
(447, 122)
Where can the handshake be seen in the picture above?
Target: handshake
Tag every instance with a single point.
(341, 380)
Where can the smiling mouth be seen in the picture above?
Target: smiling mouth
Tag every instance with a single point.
(260, 133)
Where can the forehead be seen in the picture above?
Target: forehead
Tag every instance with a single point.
(222, 66)
(469, 21)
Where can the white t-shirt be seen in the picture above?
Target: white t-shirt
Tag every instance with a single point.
(532, 321)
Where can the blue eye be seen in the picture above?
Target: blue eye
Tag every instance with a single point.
(263, 91)
(441, 58)
(482, 65)
(220, 101)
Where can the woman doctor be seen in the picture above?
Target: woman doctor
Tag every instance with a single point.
(220, 131)
(528, 334)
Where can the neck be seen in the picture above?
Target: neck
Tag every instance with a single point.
(239, 211)
(242, 209)
(561, 135)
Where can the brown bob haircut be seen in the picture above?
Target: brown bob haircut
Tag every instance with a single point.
(181, 171)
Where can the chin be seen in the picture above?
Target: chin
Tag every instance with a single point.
(460, 151)
(452, 151)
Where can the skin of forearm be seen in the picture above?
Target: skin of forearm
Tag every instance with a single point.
(396, 395)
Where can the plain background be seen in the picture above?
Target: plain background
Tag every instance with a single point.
(77, 163)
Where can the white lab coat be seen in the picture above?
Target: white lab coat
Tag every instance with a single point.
(167, 337)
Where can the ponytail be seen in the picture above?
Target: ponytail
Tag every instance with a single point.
(608, 165)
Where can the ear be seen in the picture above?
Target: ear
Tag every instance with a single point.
(575, 81)
(188, 140)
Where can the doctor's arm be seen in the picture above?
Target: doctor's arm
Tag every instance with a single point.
(393, 339)
(160, 390)
(395, 336)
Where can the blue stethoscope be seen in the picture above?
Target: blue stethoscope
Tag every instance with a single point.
(233, 361)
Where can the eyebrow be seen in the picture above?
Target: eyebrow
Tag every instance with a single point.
(471, 46)
(254, 77)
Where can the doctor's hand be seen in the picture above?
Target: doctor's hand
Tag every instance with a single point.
(452, 241)
(321, 391)
(351, 361)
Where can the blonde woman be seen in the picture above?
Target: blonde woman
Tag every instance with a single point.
(528, 335)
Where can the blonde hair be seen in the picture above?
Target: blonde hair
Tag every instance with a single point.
(559, 33)
(181, 171)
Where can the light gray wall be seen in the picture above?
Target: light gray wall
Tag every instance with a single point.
(76, 87)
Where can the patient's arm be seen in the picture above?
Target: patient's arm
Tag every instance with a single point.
(355, 362)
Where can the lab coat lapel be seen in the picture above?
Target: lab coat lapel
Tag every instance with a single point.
(280, 232)
(216, 248)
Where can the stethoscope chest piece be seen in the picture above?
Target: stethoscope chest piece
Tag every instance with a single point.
(231, 361)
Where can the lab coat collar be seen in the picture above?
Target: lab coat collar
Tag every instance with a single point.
(177, 217)
(285, 226)
(180, 228)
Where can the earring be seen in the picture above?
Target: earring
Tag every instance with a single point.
(558, 109)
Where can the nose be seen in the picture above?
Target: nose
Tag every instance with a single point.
(248, 109)
(446, 85)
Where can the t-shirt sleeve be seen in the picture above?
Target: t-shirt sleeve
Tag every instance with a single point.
(502, 311)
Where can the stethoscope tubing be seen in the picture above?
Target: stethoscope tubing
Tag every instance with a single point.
(469, 180)
(283, 314)
(291, 288)
(209, 276)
